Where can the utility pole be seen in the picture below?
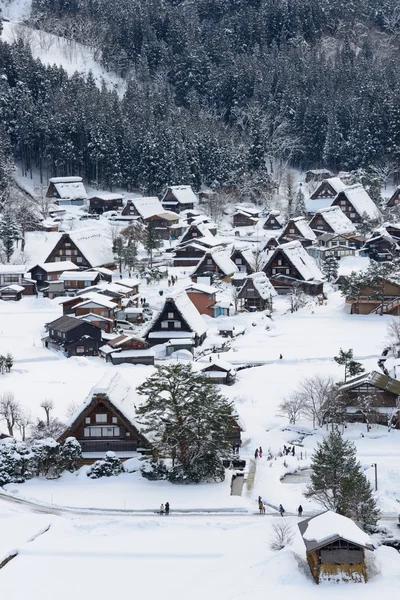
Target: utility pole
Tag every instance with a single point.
(376, 475)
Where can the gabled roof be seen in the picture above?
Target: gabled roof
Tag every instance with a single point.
(222, 365)
(328, 527)
(107, 196)
(361, 201)
(336, 219)
(303, 227)
(12, 269)
(379, 380)
(262, 284)
(69, 188)
(120, 395)
(277, 216)
(335, 183)
(95, 246)
(188, 312)
(300, 259)
(64, 324)
(147, 206)
(200, 287)
(78, 276)
(247, 254)
(182, 193)
(13, 287)
(221, 259)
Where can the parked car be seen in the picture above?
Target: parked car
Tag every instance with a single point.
(124, 325)
(88, 216)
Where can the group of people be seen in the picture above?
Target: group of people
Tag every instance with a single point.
(172, 280)
(164, 509)
(258, 452)
(288, 450)
(262, 506)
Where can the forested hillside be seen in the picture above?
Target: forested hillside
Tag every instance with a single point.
(219, 91)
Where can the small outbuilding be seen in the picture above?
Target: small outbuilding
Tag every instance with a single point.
(335, 547)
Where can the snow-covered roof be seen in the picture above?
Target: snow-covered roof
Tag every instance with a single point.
(221, 364)
(361, 201)
(128, 282)
(55, 267)
(189, 312)
(69, 188)
(328, 527)
(78, 276)
(304, 228)
(107, 196)
(318, 171)
(183, 194)
(13, 287)
(200, 287)
(221, 259)
(277, 216)
(335, 183)
(12, 269)
(95, 246)
(313, 205)
(301, 260)
(148, 207)
(337, 220)
(134, 352)
(247, 254)
(262, 284)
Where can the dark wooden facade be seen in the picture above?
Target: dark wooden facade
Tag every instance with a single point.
(250, 297)
(395, 198)
(189, 255)
(274, 221)
(220, 375)
(73, 336)
(242, 263)
(100, 204)
(324, 190)
(243, 219)
(346, 207)
(170, 321)
(102, 427)
(66, 249)
(381, 248)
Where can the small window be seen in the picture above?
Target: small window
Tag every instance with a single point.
(209, 261)
(164, 324)
(79, 259)
(352, 215)
(273, 271)
(86, 432)
(80, 349)
(87, 283)
(87, 420)
(178, 324)
(101, 418)
(287, 271)
(279, 262)
(170, 315)
(114, 419)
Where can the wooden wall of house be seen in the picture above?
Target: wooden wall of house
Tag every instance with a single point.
(202, 302)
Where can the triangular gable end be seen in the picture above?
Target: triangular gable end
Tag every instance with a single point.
(66, 239)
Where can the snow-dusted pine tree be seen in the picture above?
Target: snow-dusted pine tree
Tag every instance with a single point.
(330, 267)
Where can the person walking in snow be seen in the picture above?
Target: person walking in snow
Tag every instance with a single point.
(256, 453)
(259, 499)
(300, 511)
(260, 452)
(293, 451)
(261, 507)
(161, 509)
(167, 508)
(281, 510)
(280, 357)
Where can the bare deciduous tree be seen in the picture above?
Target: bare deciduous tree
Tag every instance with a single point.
(292, 408)
(318, 393)
(24, 421)
(47, 404)
(10, 411)
(282, 535)
(393, 334)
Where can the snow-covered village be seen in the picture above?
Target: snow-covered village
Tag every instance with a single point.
(199, 301)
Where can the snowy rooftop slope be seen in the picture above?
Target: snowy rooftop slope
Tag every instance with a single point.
(107, 196)
(222, 260)
(183, 194)
(221, 364)
(12, 269)
(189, 312)
(94, 245)
(54, 267)
(324, 528)
(69, 188)
(201, 287)
(78, 276)
(313, 205)
(337, 220)
(263, 285)
(300, 259)
(148, 207)
(337, 184)
(359, 198)
(304, 228)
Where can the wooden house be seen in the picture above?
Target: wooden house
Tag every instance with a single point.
(243, 259)
(331, 220)
(219, 371)
(332, 243)
(69, 305)
(291, 266)
(78, 280)
(203, 297)
(335, 548)
(104, 202)
(381, 247)
(126, 348)
(298, 229)
(274, 220)
(106, 274)
(177, 319)
(393, 230)
(245, 217)
(12, 292)
(356, 203)
(199, 230)
(103, 308)
(317, 175)
(73, 337)
(179, 198)
(44, 272)
(256, 293)
(369, 300)
(328, 189)
(86, 248)
(167, 225)
(394, 198)
(106, 421)
(67, 190)
(382, 393)
(104, 323)
(215, 263)
(188, 255)
(16, 275)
